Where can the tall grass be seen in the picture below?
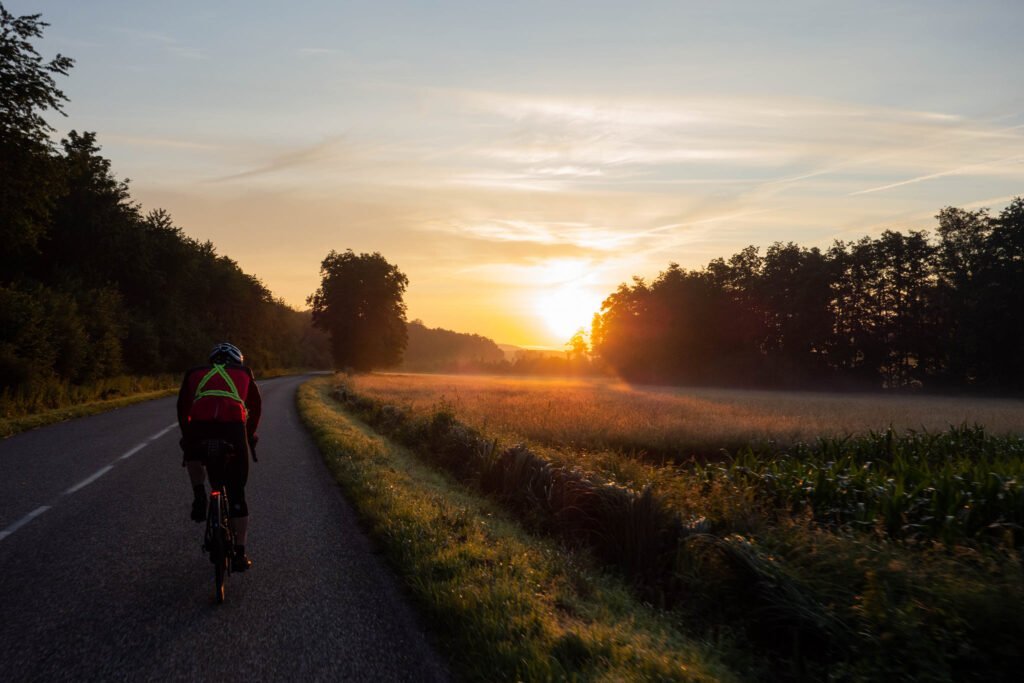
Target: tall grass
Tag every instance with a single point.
(53, 400)
(634, 532)
(502, 605)
(676, 423)
(53, 394)
(719, 544)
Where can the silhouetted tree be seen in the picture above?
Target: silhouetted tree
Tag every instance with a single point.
(795, 291)
(576, 348)
(1003, 341)
(959, 306)
(623, 333)
(29, 178)
(901, 283)
(359, 304)
(896, 311)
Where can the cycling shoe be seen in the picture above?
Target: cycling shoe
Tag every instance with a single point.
(240, 562)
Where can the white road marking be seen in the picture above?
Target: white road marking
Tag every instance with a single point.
(134, 451)
(23, 521)
(85, 482)
(162, 432)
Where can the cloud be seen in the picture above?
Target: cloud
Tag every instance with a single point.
(144, 141)
(449, 179)
(754, 148)
(170, 45)
(583, 235)
(310, 155)
(562, 171)
(318, 52)
(538, 272)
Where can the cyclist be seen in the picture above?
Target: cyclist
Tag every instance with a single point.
(221, 401)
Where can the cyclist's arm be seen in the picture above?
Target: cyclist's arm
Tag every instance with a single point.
(184, 403)
(254, 406)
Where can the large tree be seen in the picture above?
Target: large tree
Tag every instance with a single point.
(359, 304)
(29, 180)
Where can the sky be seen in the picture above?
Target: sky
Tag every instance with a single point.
(518, 160)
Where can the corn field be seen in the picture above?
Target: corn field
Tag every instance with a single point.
(962, 483)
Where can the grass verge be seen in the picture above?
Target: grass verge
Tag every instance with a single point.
(501, 604)
(810, 601)
(15, 425)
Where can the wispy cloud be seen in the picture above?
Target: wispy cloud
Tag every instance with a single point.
(325, 150)
(580, 234)
(144, 141)
(167, 43)
(622, 188)
(318, 52)
(540, 272)
(772, 146)
(564, 171)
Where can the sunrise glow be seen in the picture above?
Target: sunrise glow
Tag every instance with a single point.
(474, 145)
(567, 310)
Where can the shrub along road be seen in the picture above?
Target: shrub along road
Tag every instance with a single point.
(103, 577)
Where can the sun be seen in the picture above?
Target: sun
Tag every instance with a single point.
(567, 308)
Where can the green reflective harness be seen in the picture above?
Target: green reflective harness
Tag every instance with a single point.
(231, 393)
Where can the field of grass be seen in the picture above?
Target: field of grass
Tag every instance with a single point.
(855, 556)
(601, 414)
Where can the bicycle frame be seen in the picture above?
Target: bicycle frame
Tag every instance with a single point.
(218, 540)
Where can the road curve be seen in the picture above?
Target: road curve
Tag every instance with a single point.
(102, 577)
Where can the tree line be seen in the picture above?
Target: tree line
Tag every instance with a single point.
(902, 310)
(440, 350)
(92, 287)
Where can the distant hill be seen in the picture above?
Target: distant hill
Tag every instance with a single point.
(439, 350)
(512, 352)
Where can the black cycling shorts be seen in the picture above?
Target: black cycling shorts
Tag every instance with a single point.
(234, 473)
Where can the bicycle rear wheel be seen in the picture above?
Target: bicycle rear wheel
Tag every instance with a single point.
(220, 545)
(219, 571)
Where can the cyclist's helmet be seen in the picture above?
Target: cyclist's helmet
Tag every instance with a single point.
(226, 353)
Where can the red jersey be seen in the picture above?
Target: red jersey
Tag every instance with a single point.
(206, 395)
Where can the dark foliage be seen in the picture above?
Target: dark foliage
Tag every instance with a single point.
(30, 179)
(439, 350)
(900, 311)
(89, 286)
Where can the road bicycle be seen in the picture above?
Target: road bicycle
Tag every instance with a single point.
(219, 540)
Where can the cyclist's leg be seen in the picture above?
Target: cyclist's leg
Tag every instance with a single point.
(235, 477)
(196, 473)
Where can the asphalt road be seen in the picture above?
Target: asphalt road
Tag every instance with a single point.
(102, 576)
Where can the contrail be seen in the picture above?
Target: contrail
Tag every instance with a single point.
(931, 176)
(964, 131)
